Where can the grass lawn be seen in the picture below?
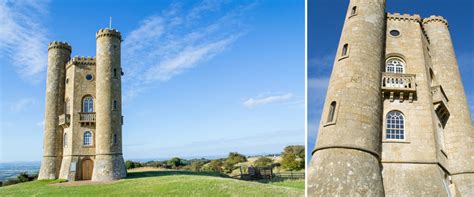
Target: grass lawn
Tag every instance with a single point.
(159, 183)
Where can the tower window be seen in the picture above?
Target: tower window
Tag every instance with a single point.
(88, 104)
(115, 139)
(115, 105)
(89, 77)
(87, 138)
(115, 72)
(354, 11)
(395, 65)
(332, 110)
(395, 33)
(395, 126)
(345, 49)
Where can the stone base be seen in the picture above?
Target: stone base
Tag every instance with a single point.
(49, 168)
(344, 172)
(464, 183)
(108, 168)
(408, 179)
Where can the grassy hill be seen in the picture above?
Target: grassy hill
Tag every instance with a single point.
(158, 183)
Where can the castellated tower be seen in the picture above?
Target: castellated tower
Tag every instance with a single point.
(459, 133)
(58, 54)
(395, 123)
(83, 121)
(346, 160)
(109, 160)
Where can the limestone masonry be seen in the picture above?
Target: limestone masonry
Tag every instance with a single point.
(396, 120)
(83, 115)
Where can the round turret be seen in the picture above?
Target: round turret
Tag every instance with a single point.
(58, 55)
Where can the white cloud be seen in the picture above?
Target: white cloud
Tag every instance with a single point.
(176, 40)
(23, 38)
(254, 102)
(22, 104)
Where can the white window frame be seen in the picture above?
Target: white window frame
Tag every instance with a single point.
(401, 131)
(88, 141)
(395, 68)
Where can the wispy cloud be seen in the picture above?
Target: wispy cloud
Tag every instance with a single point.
(22, 104)
(178, 39)
(23, 37)
(255, 102)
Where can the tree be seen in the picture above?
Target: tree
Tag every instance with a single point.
(23, 177)
(197, 165)
(293, 157)
(263, 162)
(214, 165)
(175, 162)
(129, 164)
(235, 158)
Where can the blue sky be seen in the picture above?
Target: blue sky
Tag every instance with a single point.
(325, 21)
(202, 78)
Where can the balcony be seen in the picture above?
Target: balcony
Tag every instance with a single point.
(440, 102)
(399, 86)
(87, 118)
(64, 120)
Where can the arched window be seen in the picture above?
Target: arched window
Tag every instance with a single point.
(395, 65)
(65, 140)
(354, 10)
(88, 104)
(395, 126)
(344, 50)
(332, 110)
(87, 138)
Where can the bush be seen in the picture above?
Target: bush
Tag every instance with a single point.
(214, 165)
(175, 162)
(235, 158)
(131, 164)
(197, 165)
(23, 177)
(293, 158)
(263, 162)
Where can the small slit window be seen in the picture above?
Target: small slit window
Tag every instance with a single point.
(345, 49)
(354, 11)
(65, 140)
(115, 72)
(395, 126)
(332, 111)
(115, 105)
(115, 139)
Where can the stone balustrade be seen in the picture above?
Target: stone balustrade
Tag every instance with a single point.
(398, 85)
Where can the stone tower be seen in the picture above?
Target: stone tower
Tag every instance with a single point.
(109, 161)
(83, 121)
(58, 55)
(346, 159)
(459, 133)
(396, 120)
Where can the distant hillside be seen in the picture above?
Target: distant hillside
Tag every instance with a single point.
(163, 183)
(13, 169)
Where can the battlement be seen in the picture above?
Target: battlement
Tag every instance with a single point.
(109, 32)
(83, 60)
(59, 45)
(434, 18)
(404, 17)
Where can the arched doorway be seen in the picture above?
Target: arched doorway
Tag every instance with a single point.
(87, 167)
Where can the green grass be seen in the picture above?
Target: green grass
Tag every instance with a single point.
(160, 183)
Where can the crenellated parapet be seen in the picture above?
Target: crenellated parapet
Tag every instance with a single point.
(109, 32)
(404, 17)
(434, 18)
(83, 60)
(59, 45)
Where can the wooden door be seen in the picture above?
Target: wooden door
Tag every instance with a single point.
(87, 166)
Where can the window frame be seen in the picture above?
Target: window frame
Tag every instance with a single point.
(91, 140)
(353, 11)
(385, 127)
(402, 62)
(327, 121)
(90, 104)
(344, 51)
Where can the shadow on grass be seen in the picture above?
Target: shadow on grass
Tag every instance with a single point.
(135, 175)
